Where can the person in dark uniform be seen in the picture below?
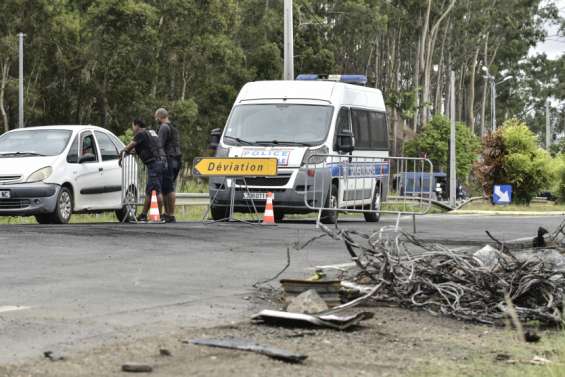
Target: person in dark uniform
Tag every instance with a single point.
(148, 148)
(169, 137)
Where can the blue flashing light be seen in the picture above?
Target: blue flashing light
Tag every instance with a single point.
(349, 79)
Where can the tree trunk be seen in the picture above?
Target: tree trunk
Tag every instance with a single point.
(471, 102)
(429, 54)
(3, 82)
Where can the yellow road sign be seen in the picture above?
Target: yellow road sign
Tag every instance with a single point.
(235, 166)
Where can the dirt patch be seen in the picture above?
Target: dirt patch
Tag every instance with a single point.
(396, 342)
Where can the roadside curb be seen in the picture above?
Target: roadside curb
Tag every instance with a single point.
(507, 213)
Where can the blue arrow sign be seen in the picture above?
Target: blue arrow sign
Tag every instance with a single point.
(502, 194)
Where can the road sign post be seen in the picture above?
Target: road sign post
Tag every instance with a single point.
(232, 168)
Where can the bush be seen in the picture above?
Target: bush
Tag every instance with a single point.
(511, 155)
(433, 142)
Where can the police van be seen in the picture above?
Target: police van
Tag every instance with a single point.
(303, 122)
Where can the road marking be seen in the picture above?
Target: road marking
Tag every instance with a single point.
(8, 308)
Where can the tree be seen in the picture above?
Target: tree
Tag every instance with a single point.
(433, 142)
(511, 155)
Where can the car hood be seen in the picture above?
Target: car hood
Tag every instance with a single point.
(22, 167)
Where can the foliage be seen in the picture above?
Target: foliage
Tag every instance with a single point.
(105, 62)
(511, 155)
(433, 142)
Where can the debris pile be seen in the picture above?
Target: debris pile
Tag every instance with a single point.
(485, 286)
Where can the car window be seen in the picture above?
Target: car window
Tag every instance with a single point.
(108, 150)
(72, 156)
(88, 145)
(34, 142)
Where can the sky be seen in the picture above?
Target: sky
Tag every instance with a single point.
(554, 46)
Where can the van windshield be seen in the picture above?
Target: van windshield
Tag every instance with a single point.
(274, 124)
(34, 143)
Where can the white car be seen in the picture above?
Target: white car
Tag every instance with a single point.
(52, 172)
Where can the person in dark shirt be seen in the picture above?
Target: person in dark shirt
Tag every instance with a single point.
(169, 137)
(148, 148)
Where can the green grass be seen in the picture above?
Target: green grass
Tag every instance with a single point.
(484, 205)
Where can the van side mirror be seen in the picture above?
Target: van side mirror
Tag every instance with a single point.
(89, 157)
(215, 136)
(345, 141)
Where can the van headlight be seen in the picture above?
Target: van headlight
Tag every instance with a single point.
(40, 175)
(222, 151)
(310, 156)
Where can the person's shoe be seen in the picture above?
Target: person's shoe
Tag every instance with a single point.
(169, 219)
(142, 218)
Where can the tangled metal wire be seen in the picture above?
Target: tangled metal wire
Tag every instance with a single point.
(411, 273)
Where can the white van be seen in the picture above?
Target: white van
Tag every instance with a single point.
(292, 121)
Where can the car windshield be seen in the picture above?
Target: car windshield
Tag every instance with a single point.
(273, 124)
(34, 142)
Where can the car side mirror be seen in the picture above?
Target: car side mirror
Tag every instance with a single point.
(87, 158)
(345, 142)
(215, 136)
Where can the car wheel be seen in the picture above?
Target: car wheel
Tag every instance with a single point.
(219, 213)
(373, 217)
(64, 207)
(330, 217)
(43, 219)
(129, 211)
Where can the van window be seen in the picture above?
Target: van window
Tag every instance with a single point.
(369, 129)
(342, 123)
(279, 124)
(379, 132)
(361, 129)
(72, 156)
(107, 148)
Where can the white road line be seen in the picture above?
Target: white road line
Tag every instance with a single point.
(8, 308)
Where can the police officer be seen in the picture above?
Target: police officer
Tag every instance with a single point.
(148, 148)
(169, 137)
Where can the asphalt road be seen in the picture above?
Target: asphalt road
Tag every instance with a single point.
(76, 286)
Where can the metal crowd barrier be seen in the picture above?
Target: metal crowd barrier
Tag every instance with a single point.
(133, 184)
(369, 185)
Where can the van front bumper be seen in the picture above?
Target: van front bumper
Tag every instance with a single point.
(290, 198)
(28, 199)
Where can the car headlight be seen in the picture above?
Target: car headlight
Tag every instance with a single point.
(310, 156)
(40, 174)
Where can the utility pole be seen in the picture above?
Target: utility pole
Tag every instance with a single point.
(493, 103)
(288, 42)
(21, 82)
(547, 126)
(452, 143)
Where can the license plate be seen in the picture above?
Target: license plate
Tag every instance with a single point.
(256, 196)
(4, 194)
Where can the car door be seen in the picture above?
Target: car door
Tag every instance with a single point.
(111, 171)
(88, 178)
(360, 184)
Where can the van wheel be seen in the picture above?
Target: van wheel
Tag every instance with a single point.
(330, 217)
(43, 219)
(219, 213)
(374, 217)
(64, 208)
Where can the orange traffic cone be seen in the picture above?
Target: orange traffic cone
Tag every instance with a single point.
(269, 216)
(154, 216)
